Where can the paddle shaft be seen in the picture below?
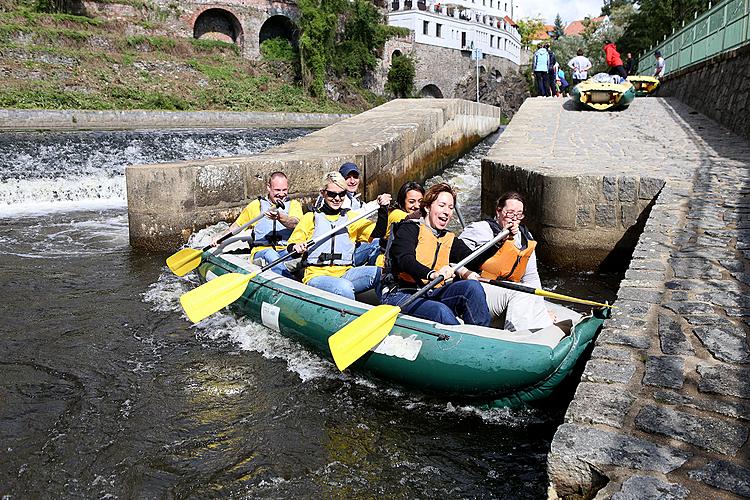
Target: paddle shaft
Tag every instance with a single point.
(239, 229)
(473, 255)
(317, 240)
(510, 285)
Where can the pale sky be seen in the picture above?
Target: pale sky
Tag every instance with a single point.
(569, 10)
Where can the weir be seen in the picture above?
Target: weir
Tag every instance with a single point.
(664, 192)
(402, 139)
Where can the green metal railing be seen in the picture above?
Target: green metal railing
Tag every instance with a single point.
(721, 28)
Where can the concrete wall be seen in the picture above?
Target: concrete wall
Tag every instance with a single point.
(71, 119)
(727, 76)
(400, 140)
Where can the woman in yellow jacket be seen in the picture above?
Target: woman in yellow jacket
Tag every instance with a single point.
(329, 264)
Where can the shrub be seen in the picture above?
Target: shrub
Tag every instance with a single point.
(278, 49)
(401, 76)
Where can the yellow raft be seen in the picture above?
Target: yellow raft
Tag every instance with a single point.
(644, 85)
(601, 96)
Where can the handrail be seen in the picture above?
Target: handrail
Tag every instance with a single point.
(721, 28)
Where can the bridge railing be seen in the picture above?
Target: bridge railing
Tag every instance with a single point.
(721, 28)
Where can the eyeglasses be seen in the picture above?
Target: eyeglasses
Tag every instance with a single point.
(336, 194)
(511, 214)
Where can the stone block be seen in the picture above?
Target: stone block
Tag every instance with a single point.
(665, 371)
(724, 475)
(600, 370)
(589, 189)
(650, 488)
(585, 216)
(600, 404)
(627, 189)
(559, 208)
(640, 294)
(218, 185)
(694, 268)
(673, 340)
(713, 434)
(614, 353)
(726, 343)
(609, 188)
(605, 216)
(724, 379)
(579, 452)
(650, 187)
(630, 213)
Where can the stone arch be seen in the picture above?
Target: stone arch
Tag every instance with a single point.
(431, 90)
(218, 24)
(279, 26)
(396, 53)
(497, 75)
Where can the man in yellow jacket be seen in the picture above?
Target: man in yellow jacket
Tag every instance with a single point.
(271, 233)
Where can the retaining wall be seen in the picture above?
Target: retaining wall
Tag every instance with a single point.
(400, 140)
(70, 119)
(718, 88)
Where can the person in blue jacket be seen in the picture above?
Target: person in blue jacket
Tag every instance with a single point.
(541, 71)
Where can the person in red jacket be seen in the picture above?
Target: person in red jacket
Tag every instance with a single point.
(613, 60)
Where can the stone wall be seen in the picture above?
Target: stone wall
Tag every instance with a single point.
(718, 87)
(400, 140)
(439, 66)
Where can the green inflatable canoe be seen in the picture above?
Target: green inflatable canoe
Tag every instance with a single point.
(602, 96)
(478, 365)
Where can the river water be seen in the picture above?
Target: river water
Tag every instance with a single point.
(108, 391)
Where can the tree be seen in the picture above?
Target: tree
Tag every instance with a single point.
(610, 5)
(559, 28)
(656, 18)
(527, 28)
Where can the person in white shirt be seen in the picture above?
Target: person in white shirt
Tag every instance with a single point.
(661, 65)
(580, 65)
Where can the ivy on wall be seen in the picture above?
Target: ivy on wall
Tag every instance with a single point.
(341, 37)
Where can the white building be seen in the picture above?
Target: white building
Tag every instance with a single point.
(461, 25)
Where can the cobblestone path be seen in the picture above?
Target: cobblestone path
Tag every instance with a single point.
(663, 409)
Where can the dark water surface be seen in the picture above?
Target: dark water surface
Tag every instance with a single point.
(108, 391)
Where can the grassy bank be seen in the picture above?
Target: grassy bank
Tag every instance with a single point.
(60, 61)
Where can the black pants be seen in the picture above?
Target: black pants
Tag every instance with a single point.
(619, 70)
(542, 82)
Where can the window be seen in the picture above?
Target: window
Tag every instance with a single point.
(506, 7)
(425, 27)
(492, 40)
(438, 30)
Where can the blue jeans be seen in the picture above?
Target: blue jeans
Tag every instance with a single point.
(442, 305)
(366, 253)
(355, 280)
(270, 255)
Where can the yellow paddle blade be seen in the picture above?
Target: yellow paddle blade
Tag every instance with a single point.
(184, 261)
(355, 339)
(553, 295)
(214, 295)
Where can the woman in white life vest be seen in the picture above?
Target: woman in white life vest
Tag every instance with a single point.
(514, 260)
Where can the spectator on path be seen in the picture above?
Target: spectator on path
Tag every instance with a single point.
(580, 65)
(630, 66)
(661, 65)
(541, 75)
(562, 83)
(613, 60)
(551, 70)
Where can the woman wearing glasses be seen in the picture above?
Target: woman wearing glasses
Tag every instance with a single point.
(328, 265)
(514, 260)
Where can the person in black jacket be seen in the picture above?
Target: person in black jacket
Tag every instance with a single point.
(419, 250)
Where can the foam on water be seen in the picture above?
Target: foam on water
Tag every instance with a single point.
(55, 171)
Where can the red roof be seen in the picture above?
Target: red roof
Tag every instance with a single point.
(510, 21)
(542, 34)
(577, 27)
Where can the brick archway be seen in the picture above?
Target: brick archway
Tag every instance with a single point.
(218, 24)
(431, 90)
